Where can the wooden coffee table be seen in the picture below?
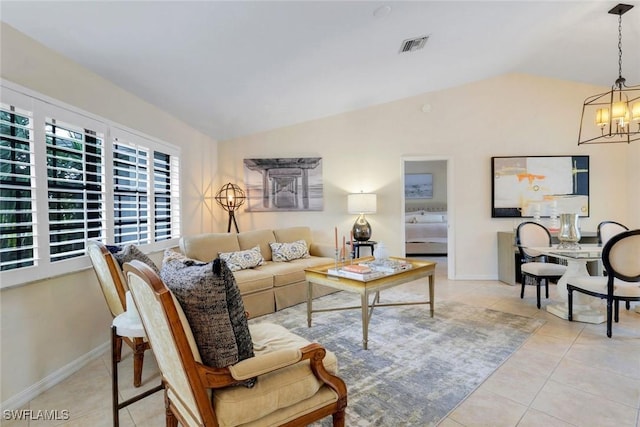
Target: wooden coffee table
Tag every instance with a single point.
(320, 275)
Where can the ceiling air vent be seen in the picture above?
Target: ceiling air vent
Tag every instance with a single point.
(413, 44)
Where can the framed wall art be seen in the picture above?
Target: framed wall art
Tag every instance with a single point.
(284, 184)
(418, 186)
(539, 186)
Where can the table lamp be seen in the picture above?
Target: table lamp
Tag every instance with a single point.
(361, 203)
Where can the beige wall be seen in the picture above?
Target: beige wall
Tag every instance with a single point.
(49, 326)
(508, 115)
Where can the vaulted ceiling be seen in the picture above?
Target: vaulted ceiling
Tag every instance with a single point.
(232, 68)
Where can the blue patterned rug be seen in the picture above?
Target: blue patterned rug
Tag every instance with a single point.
(417, 369)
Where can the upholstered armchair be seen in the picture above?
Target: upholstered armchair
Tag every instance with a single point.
(295, 381)
(114, 288)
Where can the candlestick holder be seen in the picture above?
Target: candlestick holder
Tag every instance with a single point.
(337, 257)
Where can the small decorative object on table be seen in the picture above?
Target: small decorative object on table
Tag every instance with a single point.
(569, 235)
(381, 252)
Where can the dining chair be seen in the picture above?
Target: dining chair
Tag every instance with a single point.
(607, 229)
(294, 385)
(621, 259)
(535, 267)
(114, 289)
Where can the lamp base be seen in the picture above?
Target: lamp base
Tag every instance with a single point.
(361, 229)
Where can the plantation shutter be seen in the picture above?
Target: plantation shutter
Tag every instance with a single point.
(130, 192)
(146, 190)
(75, 184)
(17, 189)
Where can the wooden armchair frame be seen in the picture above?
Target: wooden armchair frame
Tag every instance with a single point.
(114, 289)
(203, 381)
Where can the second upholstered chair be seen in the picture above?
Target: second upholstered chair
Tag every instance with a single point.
(621, 259)
(114, 288)
(535, 267)
(295, 380)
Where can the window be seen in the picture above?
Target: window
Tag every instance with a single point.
(75, 184)
(67, 178)
(17, 189)
(145, 190)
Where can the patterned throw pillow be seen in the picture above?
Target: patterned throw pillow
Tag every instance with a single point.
(283, 252)
(212, 304)
(129, 253)
(241, 260)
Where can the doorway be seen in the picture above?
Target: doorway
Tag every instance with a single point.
(428, 226)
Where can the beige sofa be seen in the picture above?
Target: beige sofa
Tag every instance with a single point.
(273, 285)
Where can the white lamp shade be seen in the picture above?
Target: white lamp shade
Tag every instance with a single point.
(361, 203)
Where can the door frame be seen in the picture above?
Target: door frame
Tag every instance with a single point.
(450, 206)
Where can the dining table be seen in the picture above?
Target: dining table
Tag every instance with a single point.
(585, 308)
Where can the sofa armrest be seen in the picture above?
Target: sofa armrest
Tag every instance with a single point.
(323, 250)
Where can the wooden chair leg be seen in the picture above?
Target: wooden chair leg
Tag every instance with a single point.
(118, 349)
(616, 313)
(628, 305)
(338, 419)
(538, 293)
(524, 281)
(170, 418)
(138, 359)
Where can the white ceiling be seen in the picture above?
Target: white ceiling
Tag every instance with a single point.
(232, 68)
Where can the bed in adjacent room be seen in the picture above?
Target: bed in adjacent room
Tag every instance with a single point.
(426, 231)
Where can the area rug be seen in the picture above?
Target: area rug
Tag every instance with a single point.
(417, 369)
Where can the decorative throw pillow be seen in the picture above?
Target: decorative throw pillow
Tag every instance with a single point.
(283, 252)
(212, 304)
(241, 260)
(129, 253)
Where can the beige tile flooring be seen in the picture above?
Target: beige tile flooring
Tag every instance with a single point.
(566, 374)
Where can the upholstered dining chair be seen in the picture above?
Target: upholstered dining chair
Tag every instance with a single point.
(621, 259)
(535, 267)
(114, 288)
(293, 387)
(606, 230)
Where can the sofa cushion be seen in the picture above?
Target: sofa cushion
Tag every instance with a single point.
(254, 279)
(249, 239)
(273, 391)
(285, 273)
(293, 234)
(206, 247)
(283, 252)
(210, 299)
(242, 260)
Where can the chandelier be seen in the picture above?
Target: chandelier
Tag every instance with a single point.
(613, 116)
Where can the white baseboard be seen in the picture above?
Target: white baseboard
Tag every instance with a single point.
(56, 377)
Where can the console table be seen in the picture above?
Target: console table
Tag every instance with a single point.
(509, 257)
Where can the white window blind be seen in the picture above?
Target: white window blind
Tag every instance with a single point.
(17, 189)
(75, 185)
(145, 190)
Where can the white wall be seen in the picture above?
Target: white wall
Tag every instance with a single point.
(508, 115)
(49, 326)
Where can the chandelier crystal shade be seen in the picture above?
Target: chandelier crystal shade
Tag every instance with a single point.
(613, 116)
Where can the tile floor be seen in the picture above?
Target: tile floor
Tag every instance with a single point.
(566, 374)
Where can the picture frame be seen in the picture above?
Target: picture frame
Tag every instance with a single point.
(283, 184)
(418, 186)
(543, 186)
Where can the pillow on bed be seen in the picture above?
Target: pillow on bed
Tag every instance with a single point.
(429, 217)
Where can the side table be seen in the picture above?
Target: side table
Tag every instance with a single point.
(125, 325)
(368, 244)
